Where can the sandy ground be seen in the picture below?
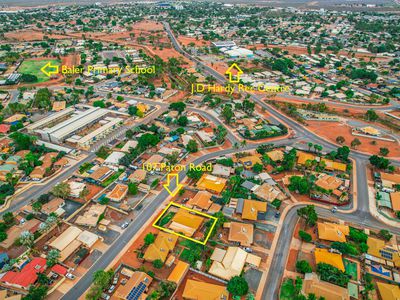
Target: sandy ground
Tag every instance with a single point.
(324, 129)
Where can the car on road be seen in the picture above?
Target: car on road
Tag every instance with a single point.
(334, 209)
(125, 225)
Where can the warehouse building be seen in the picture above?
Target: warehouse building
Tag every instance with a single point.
(66, 125)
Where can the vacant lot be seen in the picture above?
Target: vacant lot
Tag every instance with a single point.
(33, 67)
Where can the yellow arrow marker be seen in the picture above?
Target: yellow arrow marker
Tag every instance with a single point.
(167, 185)
(229, 72)
(46, 69)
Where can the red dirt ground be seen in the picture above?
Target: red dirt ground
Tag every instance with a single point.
(29, 35)
(292, 259)
(324, 129)
(186, 40)
(148, 26)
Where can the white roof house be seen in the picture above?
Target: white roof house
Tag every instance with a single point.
(113, 158)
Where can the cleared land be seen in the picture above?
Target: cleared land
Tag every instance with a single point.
(33, 67)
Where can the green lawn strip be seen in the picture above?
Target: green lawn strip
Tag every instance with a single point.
(33, 67)
(350, 268)
(112, 178)
(165, 220)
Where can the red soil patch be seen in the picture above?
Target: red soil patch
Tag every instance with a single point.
(148, 26)
(292, 259)
(30, 35)
(324, 129)
(167, 53)
(186, 40)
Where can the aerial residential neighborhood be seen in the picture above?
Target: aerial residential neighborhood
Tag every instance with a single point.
(200, 150)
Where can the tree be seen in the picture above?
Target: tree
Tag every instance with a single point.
(192, 146)
(237, 286)
(300, 184)
(3, 236)
(8, 218)
(371, 115)
(227, 113)
(305, 236)
(37, 293)
(258, 168)
(355, 143)
(61, 190)
(342, 153)
(345, 248)
(182, 121)
(357, 235)
(178, 106)
(22, 141)
(37, 206)
(52, 257)
(302, 266)
(385, 234)
(99, 103)
(309, 144)
(149, 239)
(132, 188)
(332, 274)
(158, 264)
(166, 289)
(383, 151)
(27, 239)
(379, 162)
(308, 213)
(101, 281)
(340, 139)
(42, 99)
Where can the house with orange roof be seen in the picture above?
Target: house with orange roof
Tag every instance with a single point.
(388, 291)
(179, 272)
(211, 183)
(251, 208)
(241, 233)
(185, 222)
(201, 200)
(332, 232)
(163, 244)
(195, 290)
(328, 183)
(395, 199)
(303, 157)
(389, 179)
(118, 193)
(313, 285)
(333, 259)
(137, 284)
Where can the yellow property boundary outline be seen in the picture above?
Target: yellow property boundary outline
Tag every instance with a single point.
(182, 235)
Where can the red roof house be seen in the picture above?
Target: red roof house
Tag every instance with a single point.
(59, 269)
(4, 128)
(27, 276)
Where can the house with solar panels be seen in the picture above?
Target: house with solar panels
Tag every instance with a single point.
(135, 288)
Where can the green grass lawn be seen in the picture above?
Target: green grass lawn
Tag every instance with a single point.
(287, 290)
(350, 268)
(166, 219)
(33, 67)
